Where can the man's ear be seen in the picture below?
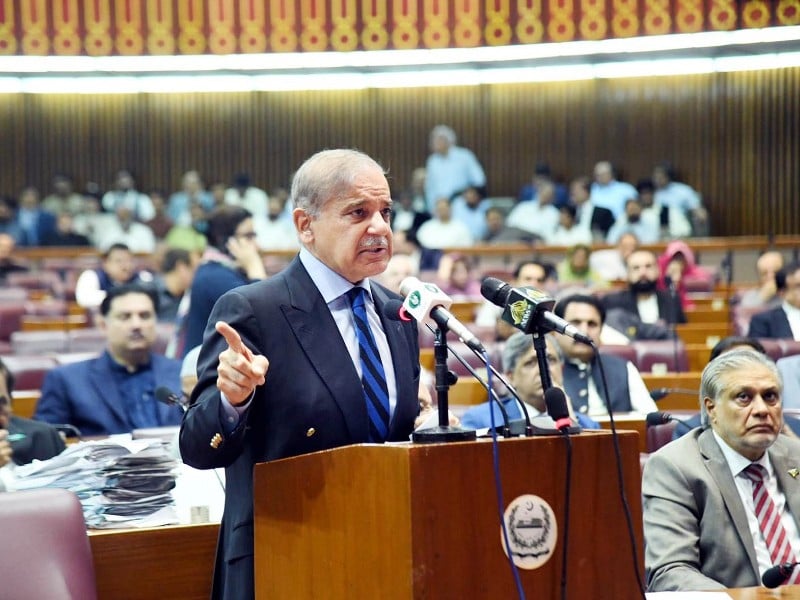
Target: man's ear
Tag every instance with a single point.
(302, 223)
(709, 404)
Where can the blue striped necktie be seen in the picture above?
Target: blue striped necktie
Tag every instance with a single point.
(373, 377)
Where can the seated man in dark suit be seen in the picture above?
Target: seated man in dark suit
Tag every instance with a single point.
(643, 300)
(721, 504)
(115, 392)
(23, 440)
(521, 367)
(783, 321)
(582, 381)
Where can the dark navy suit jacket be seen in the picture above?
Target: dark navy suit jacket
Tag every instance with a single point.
(770, 324)
(312, 399)
(85, 395)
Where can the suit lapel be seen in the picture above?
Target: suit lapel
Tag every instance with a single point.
(312, 322)
(721, 472)
(106, 390)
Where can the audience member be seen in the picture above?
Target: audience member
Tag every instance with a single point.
(243, 193)
(450, 169)
(126, 195)
(443, 231)
(784, 320)
(284, 357)
(117, 267)
(542, 175)
(125, 230)
(7, 262)
(231, 259)
(610, 263)
(273, 232)
(582, 378)
(23, 440)
(766, 294)
(575, 268)
(539, 217)
(405, 214)
(521, 368)
(191, 237)
(789, 368)
(470, 208)
(595, 219)
(92, 221)
(609, 193)
(647, 230)
(63, 197)
(457, 277)
(173, 282)
(115, 392)
(791, 425)
(679, 271)
(64, 233)
(193, 192)
(160, 223)
(34, 222)
(497, 232)
(679, 197)
(702, 493)
(569, 232)
(642, 300)
(673, 222)
(8, 218)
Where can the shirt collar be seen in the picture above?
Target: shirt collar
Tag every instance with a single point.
(791, 311)
(736, 462)
(329, 283)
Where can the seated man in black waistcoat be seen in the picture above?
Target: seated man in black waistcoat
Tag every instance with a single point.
(582, 381)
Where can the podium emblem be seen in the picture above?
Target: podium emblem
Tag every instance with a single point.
(532, 531)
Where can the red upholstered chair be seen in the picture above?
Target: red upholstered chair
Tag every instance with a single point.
(773, 347)
(29, 370)
(623, 351)
(659, 435)
(47, 282)
(10, 319)
(45, 551)
(670, 353)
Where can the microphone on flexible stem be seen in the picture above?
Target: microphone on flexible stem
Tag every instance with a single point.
(662, 418)
(167, 396)
(424, 300)
(660, 393)
(393, 309)
(778, 574)
(528, 309)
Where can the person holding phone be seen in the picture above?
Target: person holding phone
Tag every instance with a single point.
(230, 260)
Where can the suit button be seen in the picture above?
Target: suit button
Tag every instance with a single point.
(311, 431)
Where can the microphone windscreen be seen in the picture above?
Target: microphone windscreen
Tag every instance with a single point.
(166, 395)
(775, 576)
(657, 418)
(556, 402)
(392, 308)
(495, 290)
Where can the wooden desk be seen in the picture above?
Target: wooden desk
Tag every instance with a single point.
(24, 402)
(789, 592)
(174, 562)
(703, 333)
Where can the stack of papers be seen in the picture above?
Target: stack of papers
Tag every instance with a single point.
(119, 482)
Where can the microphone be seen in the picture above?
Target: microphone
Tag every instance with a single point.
(659, 393)
(427, 300)
(556, 402)
(778, 574)
(167, 396)
(393, 309)
(528, 309)
(662, 418)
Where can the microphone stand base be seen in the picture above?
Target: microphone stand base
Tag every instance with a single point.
(439, 434)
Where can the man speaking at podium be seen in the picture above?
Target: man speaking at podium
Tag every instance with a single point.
(305, 360)
(721, 504)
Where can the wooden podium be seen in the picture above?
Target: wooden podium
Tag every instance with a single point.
(421, 521)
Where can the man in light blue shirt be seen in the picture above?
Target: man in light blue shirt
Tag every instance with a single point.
(609, 193)
(450, 168)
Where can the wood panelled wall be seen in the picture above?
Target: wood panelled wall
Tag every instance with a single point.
(733, 136)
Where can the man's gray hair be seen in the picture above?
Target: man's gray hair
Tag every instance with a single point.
(328, 175)
(519, 344)
(445, 132)
(738, 359)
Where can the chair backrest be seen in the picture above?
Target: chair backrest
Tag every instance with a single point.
(38, 342)
(659, 435)
(669, 355)
(45, 551)
(29, 370)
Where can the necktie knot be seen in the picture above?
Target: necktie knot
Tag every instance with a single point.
(755, 473)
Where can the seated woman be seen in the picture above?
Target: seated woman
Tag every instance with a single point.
(456, 274)
(679, 272)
